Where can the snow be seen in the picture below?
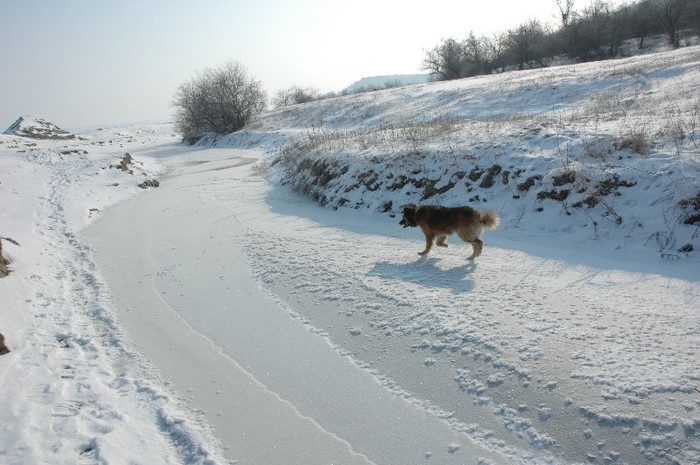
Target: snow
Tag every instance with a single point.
(381, 82)
(37, 128)
(225, 317)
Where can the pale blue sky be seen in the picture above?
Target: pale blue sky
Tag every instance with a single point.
(81, 63)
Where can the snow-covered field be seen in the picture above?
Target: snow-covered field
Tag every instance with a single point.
(227, 317)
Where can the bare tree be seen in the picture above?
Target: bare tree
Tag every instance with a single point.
(671, 12)
(446, 61)
(566, 11)
(643, 21)
(218, 100)
(477, 53)
(527, 44)
(591, 31)
(499, 51)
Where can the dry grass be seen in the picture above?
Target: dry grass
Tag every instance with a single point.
(3, 263)
(4, 270)
(635, 140)
(3, 348)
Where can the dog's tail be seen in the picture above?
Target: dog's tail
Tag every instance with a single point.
(489, 219)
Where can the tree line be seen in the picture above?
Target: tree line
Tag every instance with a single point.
(593, 33)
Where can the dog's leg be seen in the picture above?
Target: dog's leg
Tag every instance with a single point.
(428, 244)
(442, 241)
(477, 246)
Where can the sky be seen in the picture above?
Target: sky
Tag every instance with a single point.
(84, 63)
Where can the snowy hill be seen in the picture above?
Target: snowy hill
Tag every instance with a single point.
(381, 82)
(37, 128)
(604, 152)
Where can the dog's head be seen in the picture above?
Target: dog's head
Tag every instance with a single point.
(409, 216)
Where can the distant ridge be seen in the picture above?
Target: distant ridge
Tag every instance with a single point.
(382, 82)
(37, 128)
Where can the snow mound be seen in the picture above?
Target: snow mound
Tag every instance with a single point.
(37, 128)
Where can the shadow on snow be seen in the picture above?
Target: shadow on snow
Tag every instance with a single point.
(426, 272)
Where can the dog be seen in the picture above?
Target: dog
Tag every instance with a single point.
(440, 222)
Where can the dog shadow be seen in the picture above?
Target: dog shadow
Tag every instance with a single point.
(426, 272)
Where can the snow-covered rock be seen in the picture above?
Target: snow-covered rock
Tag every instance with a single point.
(37, 128)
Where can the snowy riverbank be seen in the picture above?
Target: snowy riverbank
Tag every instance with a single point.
(225, 317)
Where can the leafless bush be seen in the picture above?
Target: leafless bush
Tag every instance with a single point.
(595, 149)
(635, 140)
(446, 61)
(218, 100)
(295, 95)
(261, 168)
(682, 126)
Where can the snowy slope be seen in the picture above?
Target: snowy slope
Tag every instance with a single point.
(606, 150)
(572, 339)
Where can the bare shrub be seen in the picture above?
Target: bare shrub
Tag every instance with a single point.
(528, 44)
(635, 140)
(446, 61)
(218, 101)
(261, 168)
(672, 14)
(295, 95)
(594, 149)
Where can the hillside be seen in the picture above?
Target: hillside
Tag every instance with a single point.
(605, 150)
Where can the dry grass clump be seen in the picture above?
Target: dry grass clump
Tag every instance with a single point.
(693, 205)
(635, 140)
(4, 270)
(3, 348)
(3, 263)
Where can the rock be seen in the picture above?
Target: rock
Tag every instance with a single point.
(37, 128)
(149, 183)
